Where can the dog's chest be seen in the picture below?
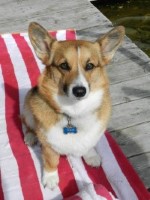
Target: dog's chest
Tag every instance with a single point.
(88, 133)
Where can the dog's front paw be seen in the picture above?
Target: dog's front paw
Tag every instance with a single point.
(93, 161)
(50, 179)
(92, 158)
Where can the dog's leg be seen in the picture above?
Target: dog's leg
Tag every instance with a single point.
(30, 138)
(92, 158)
(50, 162)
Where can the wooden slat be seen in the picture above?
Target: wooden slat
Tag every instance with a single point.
(130, 114)
(141, 164)
(131, 90)
(51, 14)
(134, 140)
(128, 64)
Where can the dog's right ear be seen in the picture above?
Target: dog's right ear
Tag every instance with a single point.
(41, 41)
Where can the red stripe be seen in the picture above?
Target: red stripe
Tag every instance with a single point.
(70, 35)
(102, 191)
(1, 190)
(97, 175)
(128, 170)
(28, 57)
(67, 184)
(74, 197)
(53, 33)
(28, 177)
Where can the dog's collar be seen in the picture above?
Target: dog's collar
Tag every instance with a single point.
(69, 128)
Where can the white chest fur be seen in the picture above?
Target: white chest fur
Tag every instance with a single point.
(88, 125)
(89, 131)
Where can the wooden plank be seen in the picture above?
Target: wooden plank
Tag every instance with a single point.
(129, 114)
(128, 64)
(130, 90)
(51, 14)
(141, 164)
(134, 140)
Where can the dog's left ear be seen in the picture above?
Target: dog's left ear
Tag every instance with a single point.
(41, 41)
(110, 42)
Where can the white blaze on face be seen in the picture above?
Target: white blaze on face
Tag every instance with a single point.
(80, 80)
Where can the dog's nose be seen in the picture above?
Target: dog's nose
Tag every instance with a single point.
(79, 91)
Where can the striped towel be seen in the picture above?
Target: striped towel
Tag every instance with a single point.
(21, 166)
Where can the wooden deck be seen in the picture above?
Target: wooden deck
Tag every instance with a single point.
(129, 72)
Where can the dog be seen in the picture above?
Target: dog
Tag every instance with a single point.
(69, 109)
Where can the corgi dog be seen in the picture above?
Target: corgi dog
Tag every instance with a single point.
(69, 109)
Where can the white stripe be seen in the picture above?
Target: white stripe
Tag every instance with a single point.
(83, 180)
(78, 167)
(85, 195)
(78, 178)
(9, 168)
(61, 35)
(113, 172)
(24, 84)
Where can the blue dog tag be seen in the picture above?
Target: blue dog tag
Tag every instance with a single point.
(69, 129)
(72, 130)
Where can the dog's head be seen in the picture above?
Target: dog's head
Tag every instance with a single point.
(74, 68)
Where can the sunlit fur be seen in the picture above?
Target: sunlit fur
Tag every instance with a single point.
(48, 104)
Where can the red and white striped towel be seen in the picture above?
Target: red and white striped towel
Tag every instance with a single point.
(21, 167)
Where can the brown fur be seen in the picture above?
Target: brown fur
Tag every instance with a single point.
(40, 100)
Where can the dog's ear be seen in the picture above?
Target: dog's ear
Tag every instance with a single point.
(41, 41)
(110, 42)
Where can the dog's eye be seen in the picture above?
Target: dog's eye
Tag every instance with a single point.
(89, 66)
(64, 66)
